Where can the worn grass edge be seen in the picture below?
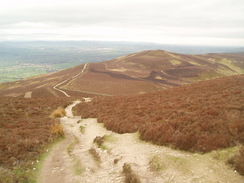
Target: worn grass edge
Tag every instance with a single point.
(42, 158)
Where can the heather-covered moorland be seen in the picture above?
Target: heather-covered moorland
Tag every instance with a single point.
(25, 130)
(200, 117)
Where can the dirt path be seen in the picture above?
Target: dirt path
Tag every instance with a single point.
(56, 87)
(73, 161)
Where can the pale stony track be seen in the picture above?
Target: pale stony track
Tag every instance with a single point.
(71, 161)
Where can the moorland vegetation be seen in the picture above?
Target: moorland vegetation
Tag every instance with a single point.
(200, 117)
(25, 131)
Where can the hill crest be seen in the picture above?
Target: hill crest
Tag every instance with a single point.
(136, 73)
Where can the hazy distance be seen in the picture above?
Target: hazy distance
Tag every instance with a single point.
(189, 22)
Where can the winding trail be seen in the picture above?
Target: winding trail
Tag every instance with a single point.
(69, 80)
(71, 161)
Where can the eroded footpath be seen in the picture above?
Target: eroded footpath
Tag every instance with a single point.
(79, 159)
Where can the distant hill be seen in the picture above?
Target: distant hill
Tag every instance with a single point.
(154, 70)
(162, 66)
(132, 74)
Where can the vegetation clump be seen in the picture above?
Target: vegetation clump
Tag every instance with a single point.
(156, 164)
(130, 176)
(95, 155)
(71, 146)
(99, 140)
(238, 161)
(58, 113)
(57, 130)
(82, 129)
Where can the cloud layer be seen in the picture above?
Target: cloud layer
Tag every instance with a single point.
(210, 22)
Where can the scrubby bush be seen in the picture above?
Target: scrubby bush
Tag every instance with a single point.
(58, 113)
(57, 130)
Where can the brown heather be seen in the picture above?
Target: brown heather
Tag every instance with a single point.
(26, 128)
(199, 117)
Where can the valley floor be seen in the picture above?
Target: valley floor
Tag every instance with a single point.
(78, 159)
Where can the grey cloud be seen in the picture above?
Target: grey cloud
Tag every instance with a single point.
(215, 18)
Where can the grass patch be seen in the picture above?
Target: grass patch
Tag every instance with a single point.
(29, 171)
(209, 75)
(82, 129)
(229, 63)
(175, 62)
(18, 174)
(225, 154)
(46, 153)
(57, 130)
(162, 162)
(100, 141)
(237, 161)
(130, 175)
(77, 166)
(71, 146)
(194, 63)
(58, 113)
(156, 164)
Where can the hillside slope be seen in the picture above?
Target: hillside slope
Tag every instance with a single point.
(132, 74)
(174, 69)
(26, 130)
(201, 117)
(155, 70)
(43, 85)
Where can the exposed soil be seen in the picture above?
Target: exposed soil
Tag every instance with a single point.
(28, 94)
(73, 161)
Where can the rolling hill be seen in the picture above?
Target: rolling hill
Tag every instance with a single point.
(159, 94)
(201, 117)
(132, 74)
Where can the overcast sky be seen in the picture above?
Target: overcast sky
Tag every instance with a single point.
(195, 22)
